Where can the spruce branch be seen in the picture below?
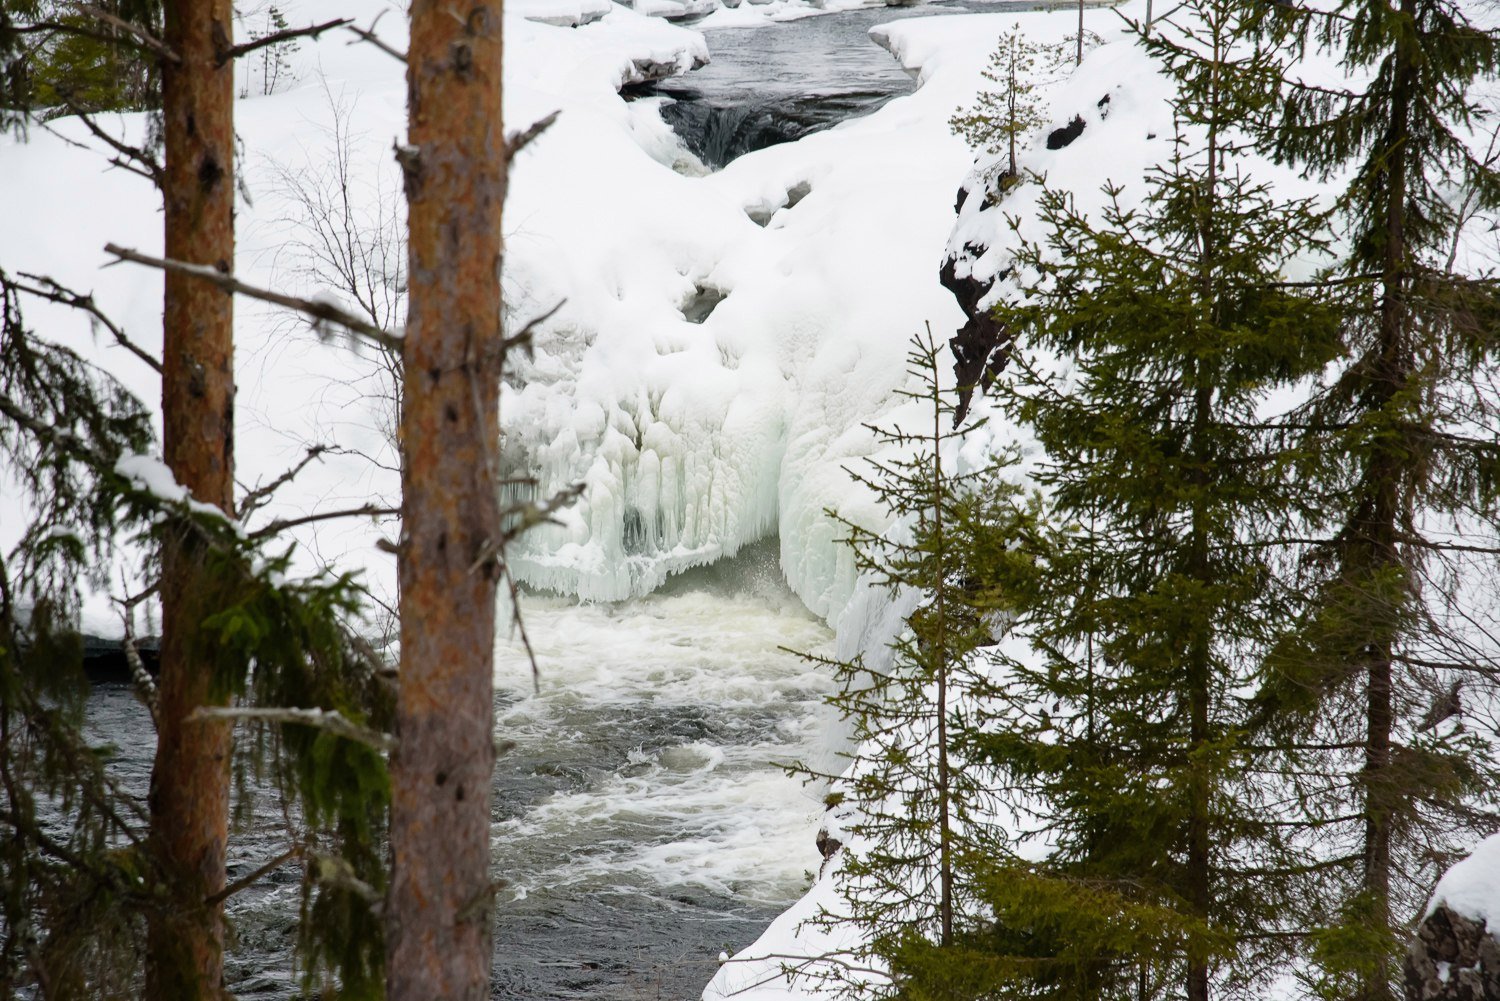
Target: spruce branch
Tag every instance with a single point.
(142, 37)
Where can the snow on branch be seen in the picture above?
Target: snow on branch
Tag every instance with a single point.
(328, 720)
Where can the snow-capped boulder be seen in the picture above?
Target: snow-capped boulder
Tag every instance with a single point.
(674, 10)
(562, 13)
(1455, 955)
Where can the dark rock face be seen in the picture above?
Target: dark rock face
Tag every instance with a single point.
(981, 347)
(1453, 958)
(827, 844)
(1058, 138)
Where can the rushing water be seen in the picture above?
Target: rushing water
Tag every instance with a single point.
(642, 820)
(780, 82)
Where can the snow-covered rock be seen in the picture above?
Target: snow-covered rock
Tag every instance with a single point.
(674, 9)
(1456, 955)
(561, 13)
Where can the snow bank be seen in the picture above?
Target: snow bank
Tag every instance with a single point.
(1472, 887)
(561, 13)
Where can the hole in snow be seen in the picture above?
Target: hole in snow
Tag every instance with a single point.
(701, 303)
(761, 214)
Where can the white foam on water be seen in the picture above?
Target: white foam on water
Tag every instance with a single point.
(671, 715)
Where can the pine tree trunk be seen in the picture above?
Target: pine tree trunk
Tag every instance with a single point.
(940, 648)
(438, 908)
(190, 780)
(1199, 881)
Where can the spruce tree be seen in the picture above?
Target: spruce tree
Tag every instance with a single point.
(1000, 118)
(1149, 607)
(79, 879)
(913, 808)
(1403, 436)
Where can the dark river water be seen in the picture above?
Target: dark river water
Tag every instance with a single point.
(777, 83)
(642, 821)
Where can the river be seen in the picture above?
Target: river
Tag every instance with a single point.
(643, 821)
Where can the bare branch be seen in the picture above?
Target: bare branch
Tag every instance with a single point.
(328, 720)
(136, 161)
(255, 498)
(311, 31)
(320, 312)
(518, 141)
(522, 337)
(148, 163)
(366, 511)
(53, 291)
(250, 879)
(368, 35)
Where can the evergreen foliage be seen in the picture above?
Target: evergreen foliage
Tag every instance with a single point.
(1001, 117)
(57, 59)
(76, 895)
(1124, 731)
(915, 808)
(1401, 451)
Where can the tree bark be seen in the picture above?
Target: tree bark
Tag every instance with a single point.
(438, 907)
(190, 780)
(1388, 481)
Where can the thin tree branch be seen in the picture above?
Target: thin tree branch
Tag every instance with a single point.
(148, 166)
(366, 511)
(254, 498)
(148, 163)
(320, 312)
(52, 291)
(328, 720)
(518, 141)
(245, 882)
(368, 35)
(311, 31)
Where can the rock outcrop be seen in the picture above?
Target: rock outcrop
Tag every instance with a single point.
(1453, 958)
(981, 347)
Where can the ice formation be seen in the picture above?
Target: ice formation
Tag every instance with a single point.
(696, 438)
